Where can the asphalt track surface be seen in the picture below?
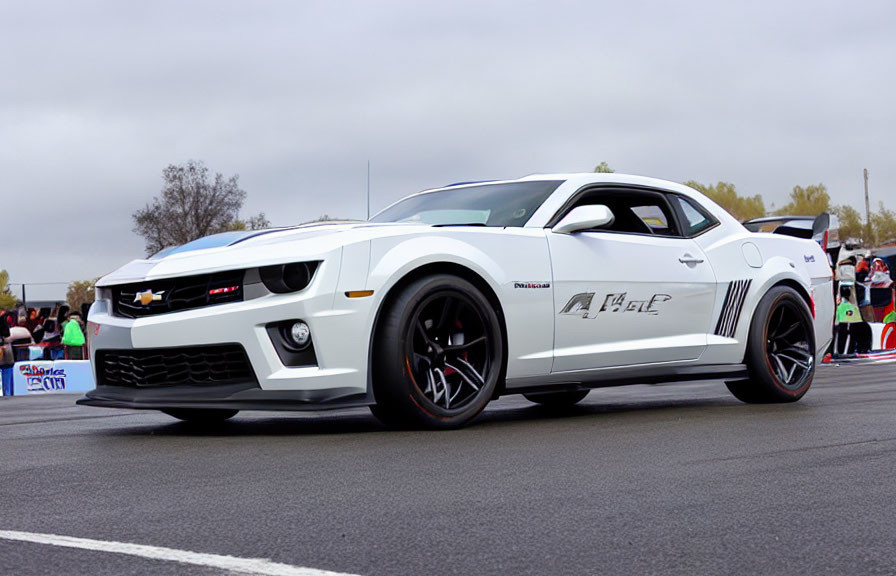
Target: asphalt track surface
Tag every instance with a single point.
(677, 479)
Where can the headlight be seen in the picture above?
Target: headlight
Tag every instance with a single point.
(283, 278)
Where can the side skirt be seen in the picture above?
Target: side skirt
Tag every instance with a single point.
(626, 377)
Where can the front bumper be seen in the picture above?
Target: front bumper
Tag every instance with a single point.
(340, 329)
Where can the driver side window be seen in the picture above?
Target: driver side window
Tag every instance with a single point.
(635, 211)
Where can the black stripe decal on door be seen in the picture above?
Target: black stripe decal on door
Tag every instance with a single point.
(734, 302)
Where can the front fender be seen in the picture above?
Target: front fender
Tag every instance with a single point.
(514, 263)
(408, 255)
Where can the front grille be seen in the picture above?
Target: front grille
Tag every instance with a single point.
(189, 365)
(175, 294)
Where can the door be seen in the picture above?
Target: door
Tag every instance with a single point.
(634, 292)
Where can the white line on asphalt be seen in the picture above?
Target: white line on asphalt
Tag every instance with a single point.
(232, 563)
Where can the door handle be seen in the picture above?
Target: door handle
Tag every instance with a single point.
(688, 259)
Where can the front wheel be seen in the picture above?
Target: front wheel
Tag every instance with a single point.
(438, 354)
(780, 354)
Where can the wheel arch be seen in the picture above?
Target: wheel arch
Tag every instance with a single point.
(799, 288)
(430, 269)
(771, 283)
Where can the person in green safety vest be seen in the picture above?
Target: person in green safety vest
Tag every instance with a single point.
(847, 312)
(73, 338)
(848, 322)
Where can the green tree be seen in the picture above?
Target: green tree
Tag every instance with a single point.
(604, 168)
(7, 300)
(883, 224)
(192, 205)
(851, 225)
(725, 195)
(80, 292)
(809, 201)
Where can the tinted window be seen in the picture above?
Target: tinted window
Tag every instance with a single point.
(500, 205)
(634, 212)
(652, 216)
(697, 220)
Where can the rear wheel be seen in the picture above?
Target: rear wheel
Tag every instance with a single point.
(199, 415)
(557, 399)
(438, 354)
(780, 351)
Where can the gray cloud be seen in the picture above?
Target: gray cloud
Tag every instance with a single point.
(296, 97)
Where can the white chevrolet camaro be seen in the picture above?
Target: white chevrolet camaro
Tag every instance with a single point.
(546, 286)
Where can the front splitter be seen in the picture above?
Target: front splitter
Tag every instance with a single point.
(247, 396)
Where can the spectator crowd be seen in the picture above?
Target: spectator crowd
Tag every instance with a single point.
(41, 334)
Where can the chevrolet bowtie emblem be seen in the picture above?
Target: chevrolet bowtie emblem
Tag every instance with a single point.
(148, 296)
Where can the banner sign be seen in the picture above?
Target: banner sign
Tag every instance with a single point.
(46, 377)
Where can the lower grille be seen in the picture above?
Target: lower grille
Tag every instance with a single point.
(158, 367)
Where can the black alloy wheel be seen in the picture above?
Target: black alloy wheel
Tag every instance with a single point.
(787, 350)
(438, 354)
(448, 345)
(780, 353)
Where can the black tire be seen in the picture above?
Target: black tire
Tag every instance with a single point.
(744, 390)
(200, 415)
(387, 416)
(780, 354)
(438, 354)
(557, 399)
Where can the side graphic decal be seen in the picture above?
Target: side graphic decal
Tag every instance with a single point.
(580, 304)
(734, 302)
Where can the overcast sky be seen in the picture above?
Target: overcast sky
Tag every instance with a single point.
(96, 98)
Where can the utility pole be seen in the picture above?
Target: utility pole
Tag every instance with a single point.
(24, 300)
(870, 240)
(368, 189)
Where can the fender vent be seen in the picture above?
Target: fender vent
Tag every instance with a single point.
(734, 301)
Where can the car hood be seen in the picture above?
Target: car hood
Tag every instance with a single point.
(246, 249)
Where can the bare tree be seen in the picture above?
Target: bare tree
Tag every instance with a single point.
(192, 205)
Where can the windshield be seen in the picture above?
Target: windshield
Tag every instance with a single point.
(499, 205)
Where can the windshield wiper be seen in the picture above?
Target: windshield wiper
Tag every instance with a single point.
(459, 224)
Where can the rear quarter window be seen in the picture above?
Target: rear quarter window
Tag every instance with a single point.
(696, 219)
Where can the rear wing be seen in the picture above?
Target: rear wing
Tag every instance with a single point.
(824, 228)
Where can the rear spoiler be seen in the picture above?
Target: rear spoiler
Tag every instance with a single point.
(820, 231)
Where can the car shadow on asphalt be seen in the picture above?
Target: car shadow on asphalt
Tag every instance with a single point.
(360, 421)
